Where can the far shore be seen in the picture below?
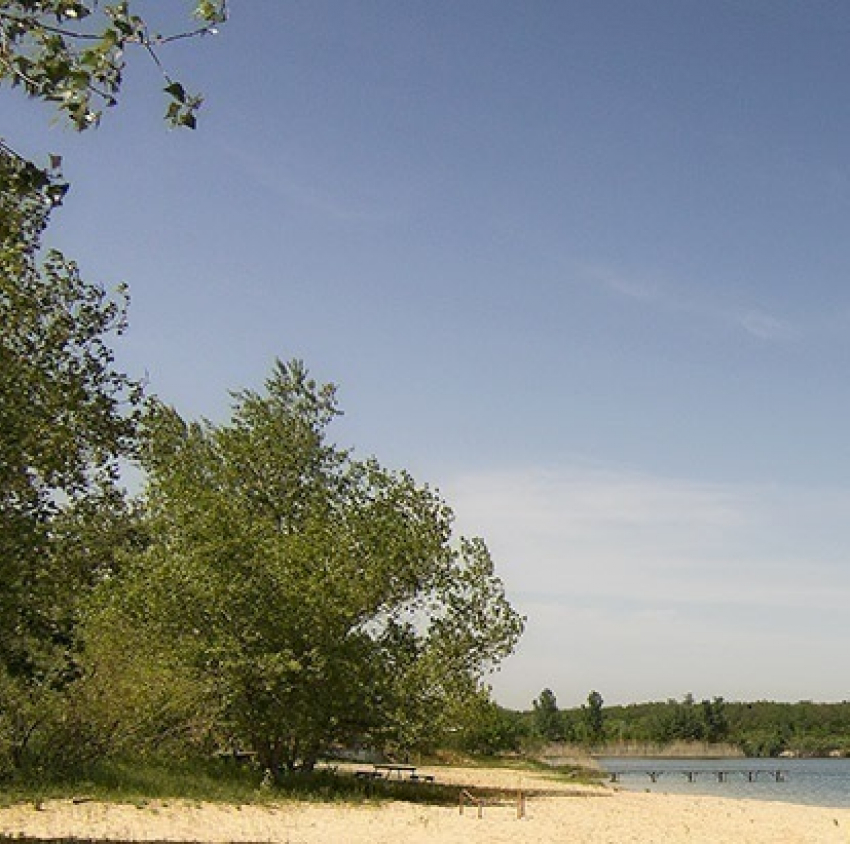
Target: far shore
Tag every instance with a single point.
(675, 752)
(566, 754)
(671, 750)
(554, 811)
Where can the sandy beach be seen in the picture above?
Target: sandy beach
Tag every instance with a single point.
(564, 814)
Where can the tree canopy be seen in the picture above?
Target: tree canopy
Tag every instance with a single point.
(268, 589)
(68, 415)
(318, 598)
(547, 721)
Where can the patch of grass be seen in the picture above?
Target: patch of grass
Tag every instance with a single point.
(139, 782)
(215, 781)
(223, 781)
(328, 786)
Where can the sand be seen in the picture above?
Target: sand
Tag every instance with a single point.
(584, 815)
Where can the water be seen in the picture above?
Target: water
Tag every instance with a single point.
(816, 782)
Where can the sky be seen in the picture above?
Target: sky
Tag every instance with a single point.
(582, 267)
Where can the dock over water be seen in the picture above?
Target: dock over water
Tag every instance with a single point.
(692, 774)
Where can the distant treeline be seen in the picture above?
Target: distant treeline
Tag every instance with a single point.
(760, 728)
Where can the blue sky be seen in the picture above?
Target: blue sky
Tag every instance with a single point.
(581, 266)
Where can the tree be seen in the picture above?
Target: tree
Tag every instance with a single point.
(684, 721)
(715, 722)
(687, 721)
(63, 405)
(487, 728)
(67, 415)
(594, 718)
(63, 419)
(547, 717)
(319, 597)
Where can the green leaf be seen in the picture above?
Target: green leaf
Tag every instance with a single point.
(176, 90)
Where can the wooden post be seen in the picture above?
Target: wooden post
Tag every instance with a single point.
(466, 795)
(520, 805)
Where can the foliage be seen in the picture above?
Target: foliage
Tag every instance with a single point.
(137, 696)
(66, 418)
(486, 729)
(67, 415)
(714, 719)
(548, 724)
(72, 54)
(761, 728)
(318, 598)
(680, 722)
(594, 718)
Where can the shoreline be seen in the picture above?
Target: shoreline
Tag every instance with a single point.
(555, 812)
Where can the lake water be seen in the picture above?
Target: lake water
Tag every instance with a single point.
(817, 782)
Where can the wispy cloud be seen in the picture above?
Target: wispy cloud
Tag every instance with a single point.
(764, 326)
(319, 196)
(659, 537)
(645, 558)
(620, 283)
(755, 322)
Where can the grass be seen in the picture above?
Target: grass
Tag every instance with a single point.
(224, 781)
(215, 781)
(125, 782)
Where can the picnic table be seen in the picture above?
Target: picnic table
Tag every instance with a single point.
(398, 770)
(386, 770)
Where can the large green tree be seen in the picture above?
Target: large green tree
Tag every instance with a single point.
(318, 598)
(66, 417)
(67, 414)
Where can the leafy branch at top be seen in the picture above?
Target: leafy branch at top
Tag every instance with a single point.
(72, 54)
(26, 179)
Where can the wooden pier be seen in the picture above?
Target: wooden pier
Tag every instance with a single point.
(691, 775)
